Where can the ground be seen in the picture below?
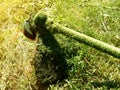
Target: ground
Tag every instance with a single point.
(92, 70)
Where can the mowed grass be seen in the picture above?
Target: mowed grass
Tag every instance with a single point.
(92, 70)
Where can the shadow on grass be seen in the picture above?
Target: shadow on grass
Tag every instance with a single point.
(107, 84)
(49, 62)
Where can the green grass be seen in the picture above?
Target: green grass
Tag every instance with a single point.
(92, 70)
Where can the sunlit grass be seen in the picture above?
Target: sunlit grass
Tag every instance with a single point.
(96, 18)
(15, 61)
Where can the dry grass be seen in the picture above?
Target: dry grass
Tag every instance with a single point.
(16, 52)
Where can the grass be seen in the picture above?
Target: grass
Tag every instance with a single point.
(92, 70)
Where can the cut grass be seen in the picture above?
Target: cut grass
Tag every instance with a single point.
(92, 69)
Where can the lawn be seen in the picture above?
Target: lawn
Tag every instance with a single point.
(92, 70)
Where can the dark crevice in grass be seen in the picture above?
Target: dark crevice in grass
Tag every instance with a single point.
(51, 64)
